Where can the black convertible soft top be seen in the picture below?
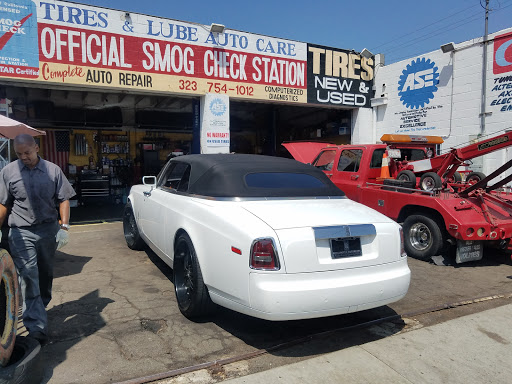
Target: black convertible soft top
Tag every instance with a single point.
(242, 175)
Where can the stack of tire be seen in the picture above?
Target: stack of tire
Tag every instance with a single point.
(19, 356)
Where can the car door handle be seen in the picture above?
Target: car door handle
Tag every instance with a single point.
(147, 194)
(329, 175)
(354, 177)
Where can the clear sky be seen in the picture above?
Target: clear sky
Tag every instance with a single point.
(400, 29)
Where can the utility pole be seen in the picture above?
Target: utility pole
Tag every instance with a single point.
(484, 72)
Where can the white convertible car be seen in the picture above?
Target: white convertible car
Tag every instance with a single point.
(266, 236)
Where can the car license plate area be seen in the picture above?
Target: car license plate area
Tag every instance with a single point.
(346, 247)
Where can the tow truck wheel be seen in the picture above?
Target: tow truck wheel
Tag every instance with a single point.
(423, 237)
(456, 178)
(475, 177)
(407, 175)
(430, 181)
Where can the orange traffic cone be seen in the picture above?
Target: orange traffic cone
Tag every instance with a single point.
(384, 169)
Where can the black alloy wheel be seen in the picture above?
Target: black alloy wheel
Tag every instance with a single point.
(191, 292)
(130, 229)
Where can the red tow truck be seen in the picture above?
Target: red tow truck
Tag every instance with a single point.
(406, 179)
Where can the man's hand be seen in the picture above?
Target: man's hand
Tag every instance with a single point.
(62, 238)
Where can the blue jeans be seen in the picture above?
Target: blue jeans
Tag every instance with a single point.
(33, 251)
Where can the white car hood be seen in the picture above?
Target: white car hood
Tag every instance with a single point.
(298, 213)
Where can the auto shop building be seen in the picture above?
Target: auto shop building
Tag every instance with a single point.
(119, 92)
(461, 92)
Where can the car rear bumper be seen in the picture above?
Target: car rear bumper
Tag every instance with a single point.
(309, 295)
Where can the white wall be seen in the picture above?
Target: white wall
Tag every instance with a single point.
(361, 126)
(453, 110)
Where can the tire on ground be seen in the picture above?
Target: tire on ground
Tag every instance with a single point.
(130, 229)
(9, 302)
(26, 365)
(191, 293)
(424, 236)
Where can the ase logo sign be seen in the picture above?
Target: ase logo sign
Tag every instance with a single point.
(418, 83)
(217, 107)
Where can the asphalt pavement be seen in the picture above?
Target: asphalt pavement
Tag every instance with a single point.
(113, 318)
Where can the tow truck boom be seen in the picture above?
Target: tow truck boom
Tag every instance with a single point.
(446, 165)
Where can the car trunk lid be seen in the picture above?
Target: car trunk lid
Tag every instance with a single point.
(345, 235)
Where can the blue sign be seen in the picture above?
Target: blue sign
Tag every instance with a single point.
(217, 107)
(418, 83)
(19, 50)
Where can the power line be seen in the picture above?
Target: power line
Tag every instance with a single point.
(423, 38)
(458, 25)
(459, 13)
(422, 28)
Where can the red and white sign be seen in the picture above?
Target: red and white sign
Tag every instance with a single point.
(502, 54)
(78, 44)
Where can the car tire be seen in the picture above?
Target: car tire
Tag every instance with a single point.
(407, 175)
(25, 366)
(475, 177)
(9, 300)
(456, 178)
(191, 292)
(430, 181)
(423, 237)
(130, 229)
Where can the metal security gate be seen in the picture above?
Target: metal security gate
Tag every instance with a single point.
(5, 152)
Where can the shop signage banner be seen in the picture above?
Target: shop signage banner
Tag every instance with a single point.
(339, 77)
(500, 96)
(419, 96)
(215, 136)
(19, 52)
(74, 44)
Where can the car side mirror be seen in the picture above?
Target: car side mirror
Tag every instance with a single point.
(150, 181)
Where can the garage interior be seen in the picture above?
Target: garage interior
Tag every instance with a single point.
(119, 137)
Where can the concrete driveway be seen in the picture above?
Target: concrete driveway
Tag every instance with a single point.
(113, 316)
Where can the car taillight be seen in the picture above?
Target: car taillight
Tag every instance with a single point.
(402, 245)
(264, 255)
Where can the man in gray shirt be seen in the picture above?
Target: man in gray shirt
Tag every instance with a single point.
(31, 188)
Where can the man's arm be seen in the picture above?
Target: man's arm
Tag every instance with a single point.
(63, 211)
(3, 214)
